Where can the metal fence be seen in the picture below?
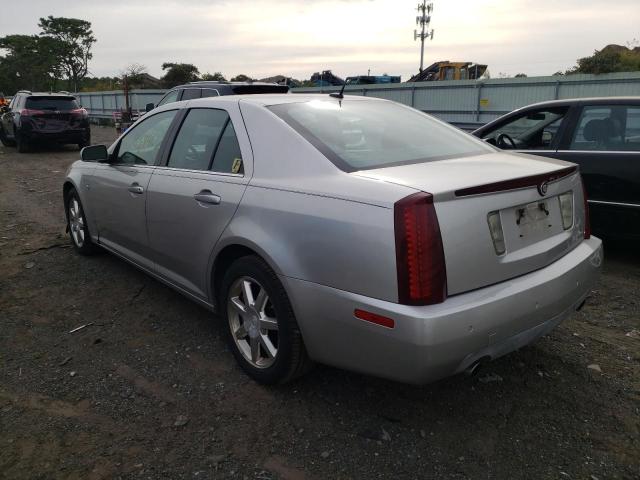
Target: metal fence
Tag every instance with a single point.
(465, 103)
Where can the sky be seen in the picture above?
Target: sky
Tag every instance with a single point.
(262, 38)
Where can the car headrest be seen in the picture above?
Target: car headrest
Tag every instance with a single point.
(600, 130)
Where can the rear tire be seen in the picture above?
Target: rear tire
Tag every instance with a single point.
(77, 225)
(259, 323)
(21, 144)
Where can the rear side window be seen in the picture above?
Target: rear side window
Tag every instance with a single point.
(209, 92)
(614, 128)
(360, 135)
(228, 158)
(198, 138)
(62, 104)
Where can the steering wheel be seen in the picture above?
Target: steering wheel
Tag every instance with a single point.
(505, 141)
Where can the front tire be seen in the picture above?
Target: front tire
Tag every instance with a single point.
(260, 326)
(4, 140)
(77, 225)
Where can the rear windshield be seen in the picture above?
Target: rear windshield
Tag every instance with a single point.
(361, 135)
(52, 103)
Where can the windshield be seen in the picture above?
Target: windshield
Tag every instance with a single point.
(360, 135)
(52, 103)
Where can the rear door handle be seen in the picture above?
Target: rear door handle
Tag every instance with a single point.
(205, 196)
(135, 188)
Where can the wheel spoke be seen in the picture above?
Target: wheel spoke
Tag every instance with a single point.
(268, 346)
(238, 305)
(248, 294)
(261, 300)
(255, 348)
(241, 332)
(268, 323)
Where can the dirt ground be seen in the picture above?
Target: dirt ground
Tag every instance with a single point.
(148, 389)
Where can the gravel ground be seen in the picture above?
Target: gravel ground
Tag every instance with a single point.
(149, 390)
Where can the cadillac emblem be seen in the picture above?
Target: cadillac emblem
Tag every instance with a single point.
(542, 188)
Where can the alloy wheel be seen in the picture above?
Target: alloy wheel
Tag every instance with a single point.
(76, 222)
(253, 322)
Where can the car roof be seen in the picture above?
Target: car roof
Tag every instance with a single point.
(269, 99)
(46, 94)
(586, 100)
(211, 83)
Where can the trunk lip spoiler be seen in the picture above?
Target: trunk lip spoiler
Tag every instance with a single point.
(540, 181)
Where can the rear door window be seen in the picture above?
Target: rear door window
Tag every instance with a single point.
(62, 104)
(209, 92)
(198, 138)
(228, 158)
(608, 128)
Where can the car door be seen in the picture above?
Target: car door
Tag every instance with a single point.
(605, 142)
(194, 195)
(535, 131)
(118, 189)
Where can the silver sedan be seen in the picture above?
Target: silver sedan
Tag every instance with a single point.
(354, 232)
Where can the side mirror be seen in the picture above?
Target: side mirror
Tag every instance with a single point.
(94, 153)
(149, 107)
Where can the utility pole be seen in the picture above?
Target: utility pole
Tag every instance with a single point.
(423, 20)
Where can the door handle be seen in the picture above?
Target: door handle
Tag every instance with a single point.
(205, 196)
(135, 188)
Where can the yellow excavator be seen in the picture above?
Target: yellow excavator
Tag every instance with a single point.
(446, 70)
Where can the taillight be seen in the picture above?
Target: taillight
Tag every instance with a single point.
(422, 276)
(79, 112)
(587, 221)
(29, 112)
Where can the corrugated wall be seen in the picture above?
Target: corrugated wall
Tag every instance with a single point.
(461, 102)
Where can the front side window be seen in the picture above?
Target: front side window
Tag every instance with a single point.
(613, 128)
(172, 96)
(364, 134)
(197, 140)
(191, 93)
(534, 130)
(141, 145)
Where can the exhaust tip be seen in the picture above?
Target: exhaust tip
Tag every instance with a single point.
(474, 368)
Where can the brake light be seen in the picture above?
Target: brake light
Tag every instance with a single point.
(79, 112)
(29, 112)
(422, 276)
(587, 220)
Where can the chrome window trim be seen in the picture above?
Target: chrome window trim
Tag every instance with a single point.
(615, 204)
(209, 172)
(600, 151)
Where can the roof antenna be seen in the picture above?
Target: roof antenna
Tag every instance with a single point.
(340, 94)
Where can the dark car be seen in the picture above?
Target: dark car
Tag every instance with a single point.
(602, 135)
(203, 89)
(37, 117)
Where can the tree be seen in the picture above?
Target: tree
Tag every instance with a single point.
(520, 75)
(178, 73)
(135, 74)
(241, 78)
(612, 58)
(30, 63)
(72, 39)
(216, 77)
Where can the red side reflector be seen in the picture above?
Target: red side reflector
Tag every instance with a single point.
(587, 220)
(516, 183)
(374, 318)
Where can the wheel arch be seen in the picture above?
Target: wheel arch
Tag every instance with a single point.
(228, 253)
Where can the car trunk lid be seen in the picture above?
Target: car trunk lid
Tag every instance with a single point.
(522, 194)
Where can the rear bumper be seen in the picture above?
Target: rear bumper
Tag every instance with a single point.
(65, 136)
(435, 341)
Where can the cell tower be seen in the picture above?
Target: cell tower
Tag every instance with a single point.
(423, 20)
